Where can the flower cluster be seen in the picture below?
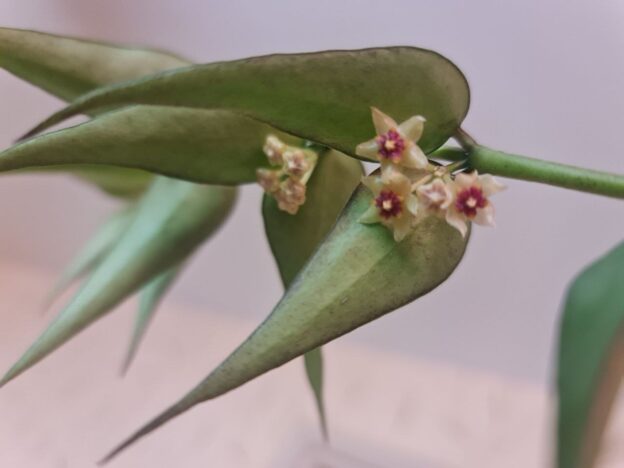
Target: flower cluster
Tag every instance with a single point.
(409, 188)
(287, 181)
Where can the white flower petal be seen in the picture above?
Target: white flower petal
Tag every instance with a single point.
(485, 216)
(466, 179)
(373, 183)
(458, 221)
(414, 158)
(370, 216)
(412, 128)
(369, 150)
(382, 122)
(412, 204)
(490, 185)
(402, 227)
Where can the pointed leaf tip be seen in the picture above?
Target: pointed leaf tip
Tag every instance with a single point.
(357, 274)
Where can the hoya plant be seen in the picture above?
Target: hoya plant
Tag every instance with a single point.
(174, 140)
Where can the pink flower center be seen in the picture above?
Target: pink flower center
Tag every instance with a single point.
(391, 145)
(469, 200)
(389, 204)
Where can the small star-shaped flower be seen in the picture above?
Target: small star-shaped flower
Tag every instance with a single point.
(395, 143)
(393, 203)
(471, 194)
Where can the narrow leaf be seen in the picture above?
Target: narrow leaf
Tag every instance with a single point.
(324, 96)
(358, 274)
(172, 220)
(294, 238)
(68, 67)
(591, 359)
(204, 146)
(149, 298)
(94, 251)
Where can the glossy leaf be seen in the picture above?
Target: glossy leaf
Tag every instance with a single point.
(358, 274)
(68, 67)
(94, 251)
(294, 238)
(591, 359)
(213, 147)
(173, 219)
(324, 97)
(149, 298)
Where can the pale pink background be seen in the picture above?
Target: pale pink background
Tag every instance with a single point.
(546, 81)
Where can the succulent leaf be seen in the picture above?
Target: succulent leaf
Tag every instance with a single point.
(150, 296)
(172, 220)
(215, 147)
(324, 96)
(591, 359)
(294, 238)
(357, 274)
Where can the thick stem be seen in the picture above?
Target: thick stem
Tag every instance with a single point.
(494, 162)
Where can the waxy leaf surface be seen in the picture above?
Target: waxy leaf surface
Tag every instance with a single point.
(324, 96)
(215, 147)
(294, 238)
(591, 359)
(172, 220)
(357, 274)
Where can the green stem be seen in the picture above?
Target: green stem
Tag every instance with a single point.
(494, 162)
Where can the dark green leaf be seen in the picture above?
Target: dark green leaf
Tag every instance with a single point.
(173, 219)
(294, 238)
(591, 359)
(214, 147)
(324, 96)
(357, 274)
(149, 298)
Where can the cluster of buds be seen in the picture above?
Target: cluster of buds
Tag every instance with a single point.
(409, 188)
(292, 168)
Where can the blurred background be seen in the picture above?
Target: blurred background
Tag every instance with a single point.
(546, 82)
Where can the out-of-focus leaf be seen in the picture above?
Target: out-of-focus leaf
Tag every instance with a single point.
(293, 238)
(172, 220)
(94, 251)
(357, 274)
(591, 359)
(204, 146)
(149, 298)
(68, 67)
(324, 96)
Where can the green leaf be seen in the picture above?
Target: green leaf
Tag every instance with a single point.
(294, 238)
(324, 97)
(204, 146)
(357, 274)
(173, 219)
(149, 298)
(94, 251)
(68, 67)
(591, 359)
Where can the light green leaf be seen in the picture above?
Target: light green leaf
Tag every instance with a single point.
(324, 97)
(68, 67)
(94, 251)
(204, 146)
(591, 359)
(149, 298)
(357, 274)
(173, 219)
(294, 238)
